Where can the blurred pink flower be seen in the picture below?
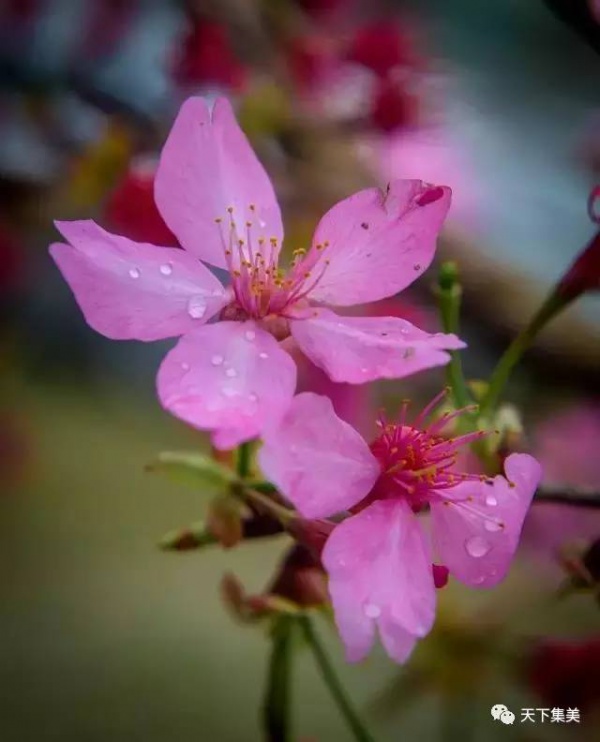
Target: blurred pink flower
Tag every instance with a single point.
(379, 559)
(205, 57)
(232, 377)
(567, 446)
(383, 46)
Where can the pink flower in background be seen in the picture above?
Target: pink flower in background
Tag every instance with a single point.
(379, 560)
(567, 446)
(232, 377)
(205, 56)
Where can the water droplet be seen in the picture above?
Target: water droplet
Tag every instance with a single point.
(231, 372)
(477, 547)
(492, 525)
(253, 397)
(166, 269)
(262, 223)
(185, 366)
(491, 501)
(134, 273)
(365, 370)
(478, 580)
(196, 307)
(263, 355)
(250, 335)
(228, 391)
(217, 360)
(372, 611)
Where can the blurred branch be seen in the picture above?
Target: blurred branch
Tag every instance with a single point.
(578, 497)
(276, 708)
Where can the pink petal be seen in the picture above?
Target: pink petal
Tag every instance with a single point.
(397, 641)
(378, 243)
(207, 166)
(476, 531)
(231, 378)
(131, 290)
(319, 462)
(379, 566)
(360, 349)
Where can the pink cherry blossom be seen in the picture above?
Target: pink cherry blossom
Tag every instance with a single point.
(232, 377)
(380, 559)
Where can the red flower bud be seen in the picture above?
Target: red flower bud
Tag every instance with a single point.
(584, 273)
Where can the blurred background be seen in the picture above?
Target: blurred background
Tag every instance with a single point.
(105, 637)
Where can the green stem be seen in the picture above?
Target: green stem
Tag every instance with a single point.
(553, 304)
(338, 694)
(244, 456)
(277, 709)
(449, 294)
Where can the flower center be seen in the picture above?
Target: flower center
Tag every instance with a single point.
(418, 461)
(261, 289)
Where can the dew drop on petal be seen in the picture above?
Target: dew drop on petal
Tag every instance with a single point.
(372, 611)
(491, 501)
(477, 547)
(262, 223)
(185, 366)
(217, 360)
(196, 307)
(492, 525)
(263, 355)
(253, 397)
(227, 391)
(134, 273)
(166, 269)
(250, 335)
(231, 372)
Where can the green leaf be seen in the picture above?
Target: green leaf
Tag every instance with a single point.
(194, 469)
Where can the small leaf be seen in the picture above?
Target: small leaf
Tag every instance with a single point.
(225, 520)
(192, 468)
(196, 536)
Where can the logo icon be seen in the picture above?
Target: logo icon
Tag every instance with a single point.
(500, 712)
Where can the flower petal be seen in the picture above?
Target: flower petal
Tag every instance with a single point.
(476, 526)
(231, 378)
(360, 349)
(206, 167)
(319, 462)
(378, 243)
(379, 566)
(131, 290)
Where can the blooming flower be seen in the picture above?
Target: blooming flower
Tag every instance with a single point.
(231, 376)
(379, 559)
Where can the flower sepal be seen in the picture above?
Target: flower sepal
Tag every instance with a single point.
(194, 469)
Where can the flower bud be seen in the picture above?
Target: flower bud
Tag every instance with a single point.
(311, 533)
(584, 273)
